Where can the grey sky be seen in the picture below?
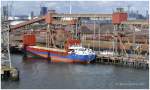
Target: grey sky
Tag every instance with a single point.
(25, 7)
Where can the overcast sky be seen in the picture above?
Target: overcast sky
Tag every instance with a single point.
(25, 7)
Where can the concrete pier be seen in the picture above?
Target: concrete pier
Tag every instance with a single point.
(9, 73)
(123, 61)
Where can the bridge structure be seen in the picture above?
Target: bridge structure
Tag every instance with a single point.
(58, 16)
(103, 16)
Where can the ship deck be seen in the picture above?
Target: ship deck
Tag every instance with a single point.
(52, 49)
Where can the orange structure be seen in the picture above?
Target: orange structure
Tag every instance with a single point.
(118, 17)
(29, 39)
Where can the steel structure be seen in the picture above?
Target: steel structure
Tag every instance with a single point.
(83, 15)
(6, 60)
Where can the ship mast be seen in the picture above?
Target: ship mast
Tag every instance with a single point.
(70, 7)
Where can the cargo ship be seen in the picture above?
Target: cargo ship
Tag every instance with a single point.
(73, 52)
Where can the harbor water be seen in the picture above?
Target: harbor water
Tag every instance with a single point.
(41, 74)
